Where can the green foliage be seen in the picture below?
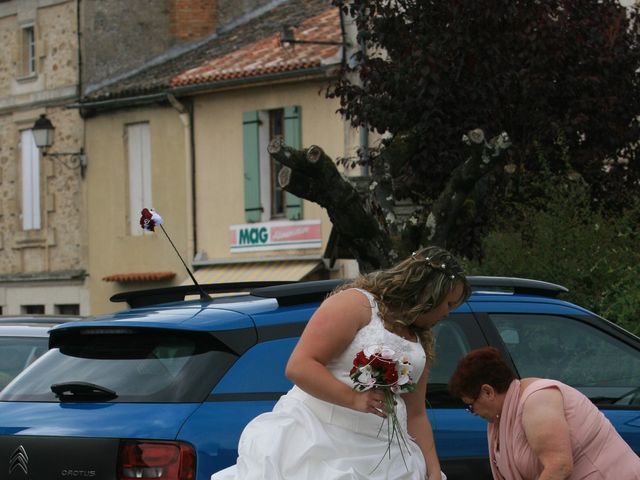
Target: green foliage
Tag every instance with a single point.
(563, 239)
(539, 70)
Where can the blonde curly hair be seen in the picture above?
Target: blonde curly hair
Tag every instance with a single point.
(413, 287)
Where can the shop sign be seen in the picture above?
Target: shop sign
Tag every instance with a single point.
(275, 236)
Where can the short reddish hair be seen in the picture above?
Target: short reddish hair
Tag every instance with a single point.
(479, 367)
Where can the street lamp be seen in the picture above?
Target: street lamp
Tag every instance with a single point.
(43, 131)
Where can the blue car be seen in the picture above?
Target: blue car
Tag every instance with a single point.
(163, 389)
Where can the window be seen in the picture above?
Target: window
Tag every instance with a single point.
(30, 181)
(138, 365)
(68, 309)
(17, 353)
(566, 349)
(454, 337)
(32, 309)
(264, 198)
(28, 51)
(139, 157)
(276, 198)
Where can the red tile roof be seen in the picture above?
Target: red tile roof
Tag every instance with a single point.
(268, 55)
(139, 277)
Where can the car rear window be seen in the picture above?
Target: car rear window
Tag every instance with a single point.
(135, 365)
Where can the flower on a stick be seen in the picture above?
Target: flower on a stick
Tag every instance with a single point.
(149, 219)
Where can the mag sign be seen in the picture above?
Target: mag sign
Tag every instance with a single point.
(280, 235)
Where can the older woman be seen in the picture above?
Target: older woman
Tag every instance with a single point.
(538, 428)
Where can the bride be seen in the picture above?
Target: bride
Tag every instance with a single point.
(324, 427)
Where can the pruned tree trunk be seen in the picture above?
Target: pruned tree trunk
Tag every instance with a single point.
(366, 221)
(312, 175)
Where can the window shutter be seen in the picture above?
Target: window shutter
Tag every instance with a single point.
(293, 138)
(251, 155)
(139, 158)
(30, 159)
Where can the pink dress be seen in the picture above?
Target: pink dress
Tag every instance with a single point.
(599, 452)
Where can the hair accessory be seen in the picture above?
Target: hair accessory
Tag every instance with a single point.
(441, 267)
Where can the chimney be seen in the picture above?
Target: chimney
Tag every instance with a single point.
(192, 19)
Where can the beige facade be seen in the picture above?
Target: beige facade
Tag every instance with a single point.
(219, 154)
(42, 240)
(118, 248)
(114, 252)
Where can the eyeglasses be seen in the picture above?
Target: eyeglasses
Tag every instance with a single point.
(469, 407)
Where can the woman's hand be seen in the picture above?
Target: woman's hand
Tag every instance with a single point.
(437, 475)
(370, 401)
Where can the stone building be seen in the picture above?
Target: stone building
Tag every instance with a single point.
(42, 242)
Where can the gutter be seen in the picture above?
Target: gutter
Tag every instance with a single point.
(121, 102)
(308, 73)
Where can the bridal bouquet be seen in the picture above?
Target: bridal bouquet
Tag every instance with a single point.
(381, 367)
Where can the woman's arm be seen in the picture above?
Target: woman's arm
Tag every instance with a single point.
(329, 332)
(420, 427)
(547, 432)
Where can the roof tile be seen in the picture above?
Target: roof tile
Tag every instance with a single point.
(269, 55)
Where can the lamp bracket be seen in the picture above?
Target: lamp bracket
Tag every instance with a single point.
(70, 160)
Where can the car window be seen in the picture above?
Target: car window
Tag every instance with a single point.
(454, 336)
(562, 348)
(17, 353)
(138, 365)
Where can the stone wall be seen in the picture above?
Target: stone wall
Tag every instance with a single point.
(120, 35)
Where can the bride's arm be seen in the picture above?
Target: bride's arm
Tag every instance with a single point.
(420, 428)
(329, 332)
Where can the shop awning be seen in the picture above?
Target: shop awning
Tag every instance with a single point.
(139, 277)
(286, 270)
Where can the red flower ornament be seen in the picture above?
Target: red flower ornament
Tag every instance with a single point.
(150, 219)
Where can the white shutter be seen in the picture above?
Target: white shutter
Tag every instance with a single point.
(30, 181)
(139, 153)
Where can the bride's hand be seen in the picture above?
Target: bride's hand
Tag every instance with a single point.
(370, 401)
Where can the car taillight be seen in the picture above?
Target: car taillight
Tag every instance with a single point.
(144, 460)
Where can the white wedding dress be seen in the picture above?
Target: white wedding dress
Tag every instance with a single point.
(305, 438)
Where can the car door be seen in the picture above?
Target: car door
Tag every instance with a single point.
(460, 437)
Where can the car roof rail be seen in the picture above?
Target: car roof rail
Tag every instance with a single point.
(300, 292)
(154, 296)
(515, 285)
(291, 293)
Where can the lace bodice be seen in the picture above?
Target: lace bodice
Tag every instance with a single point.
(374, 333)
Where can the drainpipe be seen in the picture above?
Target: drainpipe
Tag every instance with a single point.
(79, 40)
(185, 113)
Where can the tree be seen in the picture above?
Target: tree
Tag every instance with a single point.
(560, 76)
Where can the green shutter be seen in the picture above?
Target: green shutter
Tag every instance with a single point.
(251, 155)
(293, 138)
